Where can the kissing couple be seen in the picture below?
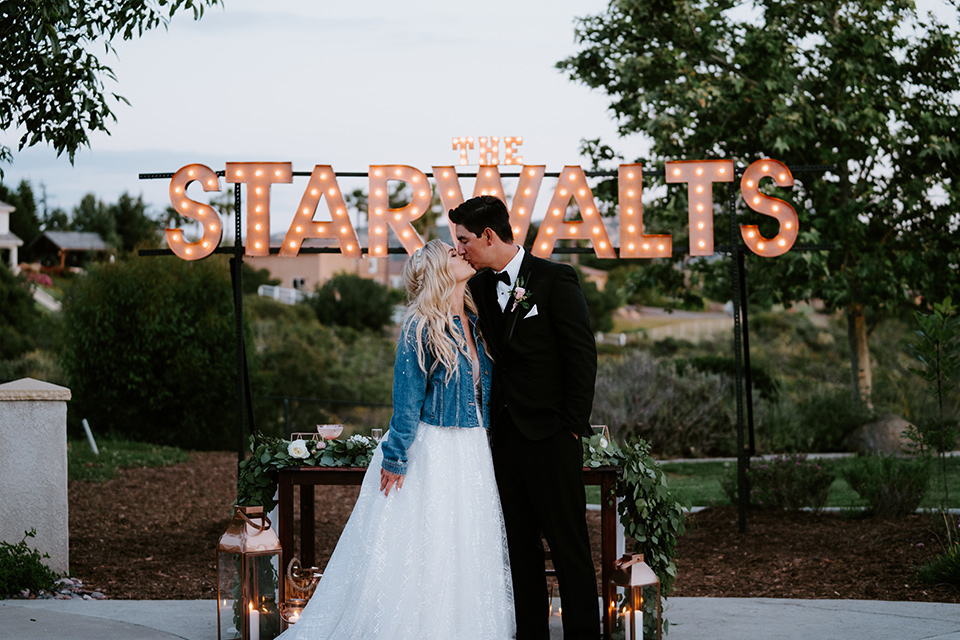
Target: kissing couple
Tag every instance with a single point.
(492, 391)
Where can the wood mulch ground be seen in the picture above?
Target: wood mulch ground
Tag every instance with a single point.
(151, 534)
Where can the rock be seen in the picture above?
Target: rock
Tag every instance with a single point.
(96, 595)
(882, 436)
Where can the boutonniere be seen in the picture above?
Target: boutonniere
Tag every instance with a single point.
(520, 295)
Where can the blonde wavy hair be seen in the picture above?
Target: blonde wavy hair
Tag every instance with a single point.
(430, 284)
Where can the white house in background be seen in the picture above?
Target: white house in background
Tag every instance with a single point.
(9, 243)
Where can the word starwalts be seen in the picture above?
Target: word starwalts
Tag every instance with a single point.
(699, 175)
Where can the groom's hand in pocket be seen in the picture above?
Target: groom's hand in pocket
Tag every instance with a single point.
(387, 480)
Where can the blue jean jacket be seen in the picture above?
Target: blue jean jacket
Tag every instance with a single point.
(418, 397)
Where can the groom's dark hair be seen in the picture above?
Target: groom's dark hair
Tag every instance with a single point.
(481, 212)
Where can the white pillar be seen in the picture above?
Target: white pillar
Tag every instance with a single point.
(33, 467)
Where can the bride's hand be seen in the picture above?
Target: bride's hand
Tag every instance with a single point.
(387, 480)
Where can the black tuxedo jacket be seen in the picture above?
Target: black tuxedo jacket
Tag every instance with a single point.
(545, 355)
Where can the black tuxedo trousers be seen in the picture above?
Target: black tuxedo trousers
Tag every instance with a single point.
(544, 372)
(541, 491)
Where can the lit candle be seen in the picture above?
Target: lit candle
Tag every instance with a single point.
(637, 622)
(254, 623)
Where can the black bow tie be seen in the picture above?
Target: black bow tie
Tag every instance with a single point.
(503, 277)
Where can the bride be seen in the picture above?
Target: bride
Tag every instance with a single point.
(424, 554)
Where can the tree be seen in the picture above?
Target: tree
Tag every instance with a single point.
(51, 85)
(92, 215)
(348, 300)
(24, 222)
(134, 227)
(868, 86)
(56, 220)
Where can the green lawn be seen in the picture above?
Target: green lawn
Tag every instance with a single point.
(82, 464)
(698, 484)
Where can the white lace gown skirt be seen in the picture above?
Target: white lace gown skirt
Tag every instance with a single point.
(429, 561)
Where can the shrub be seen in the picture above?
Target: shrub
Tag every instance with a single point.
(945, 568)
(22, 568)
(150, 351)
(351, 301)
(761, 381)
(669, 346)
(254, 278)
(639, 396)
(788, 482)
(819, 421)
(891, 486)
(17, 315)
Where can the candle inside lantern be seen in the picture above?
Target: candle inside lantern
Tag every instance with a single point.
(291, 609)
(638, 620)
(254, 622)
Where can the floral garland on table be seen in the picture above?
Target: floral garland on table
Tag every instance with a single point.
(257, 480)
(649, 512)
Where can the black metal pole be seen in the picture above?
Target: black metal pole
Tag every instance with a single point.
(747, 373)
(743, 459)
(236, 264)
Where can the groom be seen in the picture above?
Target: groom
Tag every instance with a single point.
(535, 322)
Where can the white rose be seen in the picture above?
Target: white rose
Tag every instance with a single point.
(298, 449)
(603, 442)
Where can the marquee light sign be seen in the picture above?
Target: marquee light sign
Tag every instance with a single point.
(698, 175)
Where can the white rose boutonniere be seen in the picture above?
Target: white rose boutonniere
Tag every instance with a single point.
(298, 449)
(520, 295)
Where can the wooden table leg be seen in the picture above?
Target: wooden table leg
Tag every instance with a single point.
(285, 528)
(608, 551)
(308, 537)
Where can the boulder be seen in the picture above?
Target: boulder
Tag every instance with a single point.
(884, 435)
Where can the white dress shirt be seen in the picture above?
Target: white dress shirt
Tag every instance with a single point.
(513, 270)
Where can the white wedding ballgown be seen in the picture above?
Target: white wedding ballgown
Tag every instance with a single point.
(427, 562)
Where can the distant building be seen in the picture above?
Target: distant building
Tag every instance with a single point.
(9, 242)
(308, 270)
(67, 249)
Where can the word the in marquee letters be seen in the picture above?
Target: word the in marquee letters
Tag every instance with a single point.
(635, 241)
(489, 149)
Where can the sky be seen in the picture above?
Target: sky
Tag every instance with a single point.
(347, 84)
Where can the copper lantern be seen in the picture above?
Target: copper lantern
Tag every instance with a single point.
(632, 573)
(248, 555)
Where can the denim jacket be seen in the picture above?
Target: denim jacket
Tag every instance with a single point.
(419, 397)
